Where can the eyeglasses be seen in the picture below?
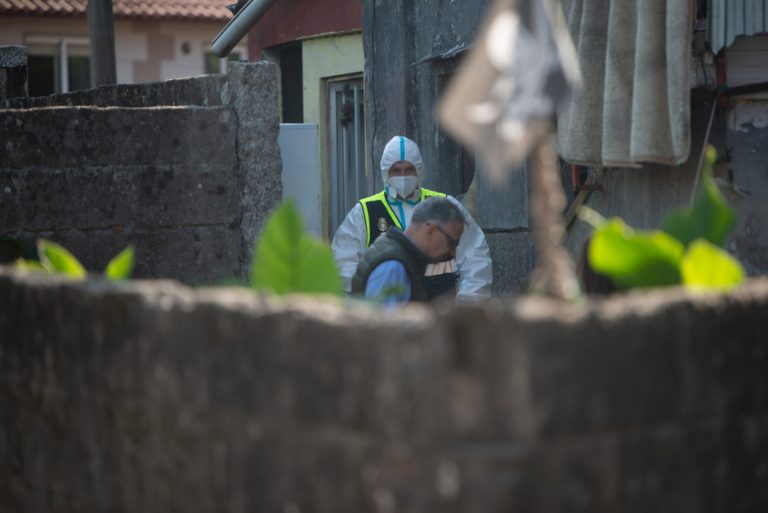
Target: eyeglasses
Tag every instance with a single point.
(452, 243)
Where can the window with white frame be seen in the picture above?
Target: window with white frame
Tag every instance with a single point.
(57, 64)
(213, 64)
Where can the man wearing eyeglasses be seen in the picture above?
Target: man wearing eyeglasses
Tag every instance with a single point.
(468, 276)
(391, 271)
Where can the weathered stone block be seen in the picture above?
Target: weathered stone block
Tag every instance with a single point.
(606, 381)
(13, 72)
(513, 260)
(192, 254)
(723, 364)
(183, 399)
(203, 193)
(252, 92)
(10, 209)
(89, 136)
(204, 91)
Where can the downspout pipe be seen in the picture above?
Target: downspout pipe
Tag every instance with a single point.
(239, 26)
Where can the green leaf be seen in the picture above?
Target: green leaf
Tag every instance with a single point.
(706, 266)
(121, 266)
(316, 270)
(709, 217)
(635, 259)
(29, 265)
(289, 260)
(56, 259)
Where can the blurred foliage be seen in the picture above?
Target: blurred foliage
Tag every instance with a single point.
(121, 266)
(687, 251)
(287, 259)
(56, 259)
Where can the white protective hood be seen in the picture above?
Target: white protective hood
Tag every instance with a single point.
(473, 256)
(401, 148)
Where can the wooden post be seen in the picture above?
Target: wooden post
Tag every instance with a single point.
(553, 275)
(101, 29)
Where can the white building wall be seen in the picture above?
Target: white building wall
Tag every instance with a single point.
(160, 43)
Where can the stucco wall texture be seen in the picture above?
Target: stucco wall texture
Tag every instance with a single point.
(154, 397)
(185, 170)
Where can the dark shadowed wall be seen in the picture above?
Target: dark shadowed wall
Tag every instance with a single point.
(185, 170)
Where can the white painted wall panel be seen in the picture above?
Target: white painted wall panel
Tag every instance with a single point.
(301, 170)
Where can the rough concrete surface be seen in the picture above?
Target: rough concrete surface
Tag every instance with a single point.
(189, 186)
(513, 258)
(169, 398)
(203, 91)
(13, 72)
(254, 99)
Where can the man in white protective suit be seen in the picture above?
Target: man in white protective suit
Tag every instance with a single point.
(468, 276)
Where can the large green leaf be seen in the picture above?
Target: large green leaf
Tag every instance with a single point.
(56, 259)
(709, 217)
(121, 266)
(29, 265)
(635, 259)
(316, 270)
(706, 266)
(288, 260)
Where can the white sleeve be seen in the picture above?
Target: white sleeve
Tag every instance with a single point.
(474, 260)
(349, 244)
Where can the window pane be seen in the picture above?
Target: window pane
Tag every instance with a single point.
(41, 75)
(212, 63)
(234, 56)
(79, 73)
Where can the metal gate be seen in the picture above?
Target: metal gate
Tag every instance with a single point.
(349, 180)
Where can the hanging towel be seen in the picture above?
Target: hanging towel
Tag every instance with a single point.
(635, 60)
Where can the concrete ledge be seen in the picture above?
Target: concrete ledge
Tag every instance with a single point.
(204, 91)
(96, 136)
(220, 399)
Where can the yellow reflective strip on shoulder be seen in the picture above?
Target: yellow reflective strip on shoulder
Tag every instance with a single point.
(367, 223)
(379, 196)
(426, 193)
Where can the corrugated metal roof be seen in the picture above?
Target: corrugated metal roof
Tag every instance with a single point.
(166, 9)
(731, 18)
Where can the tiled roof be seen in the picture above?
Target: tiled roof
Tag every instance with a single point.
(166, 9)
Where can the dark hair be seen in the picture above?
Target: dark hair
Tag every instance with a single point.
(437, 210)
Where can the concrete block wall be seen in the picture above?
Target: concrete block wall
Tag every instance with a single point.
(185, 170)
(13, 71)
(151, 396)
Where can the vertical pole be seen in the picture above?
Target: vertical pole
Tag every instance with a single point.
(333, 146)
(101, 29)
(64, 62)
(554, 275)
(356, 129)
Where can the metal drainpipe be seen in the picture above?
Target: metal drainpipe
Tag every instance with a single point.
(239, 26)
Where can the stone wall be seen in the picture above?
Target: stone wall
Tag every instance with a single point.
(13, 72)
(154, 397)
(186, 170)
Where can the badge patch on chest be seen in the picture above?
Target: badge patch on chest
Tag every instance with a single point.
(383, 225)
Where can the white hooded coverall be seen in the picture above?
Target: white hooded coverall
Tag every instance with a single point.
(473, 257)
